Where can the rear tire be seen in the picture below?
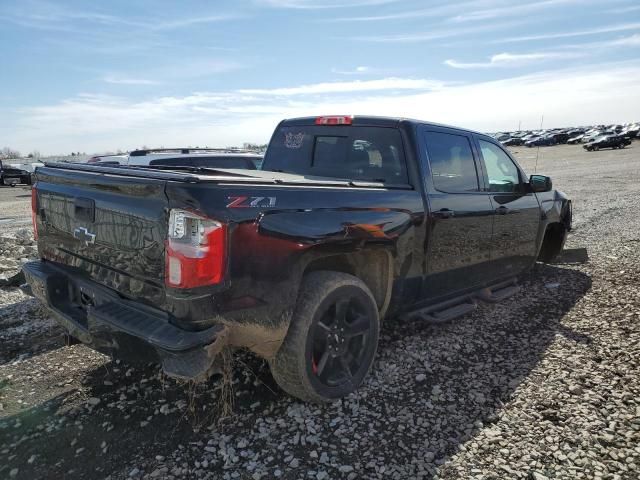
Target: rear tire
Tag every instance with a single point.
(332, 338)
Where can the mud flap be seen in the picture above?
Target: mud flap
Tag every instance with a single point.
(196, 365)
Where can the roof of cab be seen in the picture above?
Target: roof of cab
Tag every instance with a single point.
(375, 121)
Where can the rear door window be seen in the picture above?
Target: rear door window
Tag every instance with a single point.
(355, 153)
(453, 168)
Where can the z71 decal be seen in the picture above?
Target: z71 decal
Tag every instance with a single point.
(250, 202)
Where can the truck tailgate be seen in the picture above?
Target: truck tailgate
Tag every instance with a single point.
(110, 227)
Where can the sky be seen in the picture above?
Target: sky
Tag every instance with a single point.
(106, 76)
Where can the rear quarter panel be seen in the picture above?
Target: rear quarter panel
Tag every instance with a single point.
(556, 208)
(275, 232)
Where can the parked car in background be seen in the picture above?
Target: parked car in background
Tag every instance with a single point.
(575, 132)
(531, 136)
(28, 167)
(513, 142)
(607, 141)
(196, 157)
(545, 141)
(589, 136)
(119, 159)
(631, 132)
(190, 157)
(575, 135)
(501, 136)
(560, 137)
(13, 176)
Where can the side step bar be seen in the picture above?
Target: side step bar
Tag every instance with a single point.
(499, 292)
(446, 311)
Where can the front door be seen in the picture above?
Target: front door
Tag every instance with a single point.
(517, 212)
(460, 219)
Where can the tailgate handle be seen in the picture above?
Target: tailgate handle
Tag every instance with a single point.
(84, 209)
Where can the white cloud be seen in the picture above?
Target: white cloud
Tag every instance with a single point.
(198, 67)
(514, 59)
(44, 15)
(631, 41)
(384, 84)
(603, 93)
(562, 52)
(436, 34)
(317, 4)
(433, 11)
(190, 21)
(186, 69)
(510, 10)
(575, 33)
(632, 8)
(361, 70)
(474, 10)
(123, 80)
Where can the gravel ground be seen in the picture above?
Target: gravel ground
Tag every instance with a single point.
(543, 385)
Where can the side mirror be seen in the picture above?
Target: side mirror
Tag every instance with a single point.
(540, 183)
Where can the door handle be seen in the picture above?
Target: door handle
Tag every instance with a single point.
(444, 213)
(505, 210)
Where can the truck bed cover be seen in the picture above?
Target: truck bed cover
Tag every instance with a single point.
(226, 176)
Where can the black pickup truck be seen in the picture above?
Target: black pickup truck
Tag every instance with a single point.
(351, 220)
(13, 176)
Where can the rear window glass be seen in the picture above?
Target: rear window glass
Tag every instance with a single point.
(210, 162)
(355, 153)
(452, 166)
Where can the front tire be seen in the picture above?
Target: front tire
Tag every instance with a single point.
(332, 338)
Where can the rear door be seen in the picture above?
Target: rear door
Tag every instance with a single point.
(110, 227)
(460, 220)
(517, 211)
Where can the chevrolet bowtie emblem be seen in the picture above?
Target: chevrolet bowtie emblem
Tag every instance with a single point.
(84, 235)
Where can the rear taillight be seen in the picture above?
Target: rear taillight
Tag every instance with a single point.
(34, 211)
(335, 120)
(195, 250)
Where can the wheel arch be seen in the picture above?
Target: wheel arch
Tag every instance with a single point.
(558, 218)
(373, 266)
(553, 241)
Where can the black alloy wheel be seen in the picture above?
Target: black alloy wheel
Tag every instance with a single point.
(338, 342)
(332, 338)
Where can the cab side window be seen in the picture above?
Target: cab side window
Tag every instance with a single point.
(452, 166)
(502, 173)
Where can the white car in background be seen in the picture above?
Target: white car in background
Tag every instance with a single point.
(197, 157)
(29, 167)
(119, 159)
(185, 157)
